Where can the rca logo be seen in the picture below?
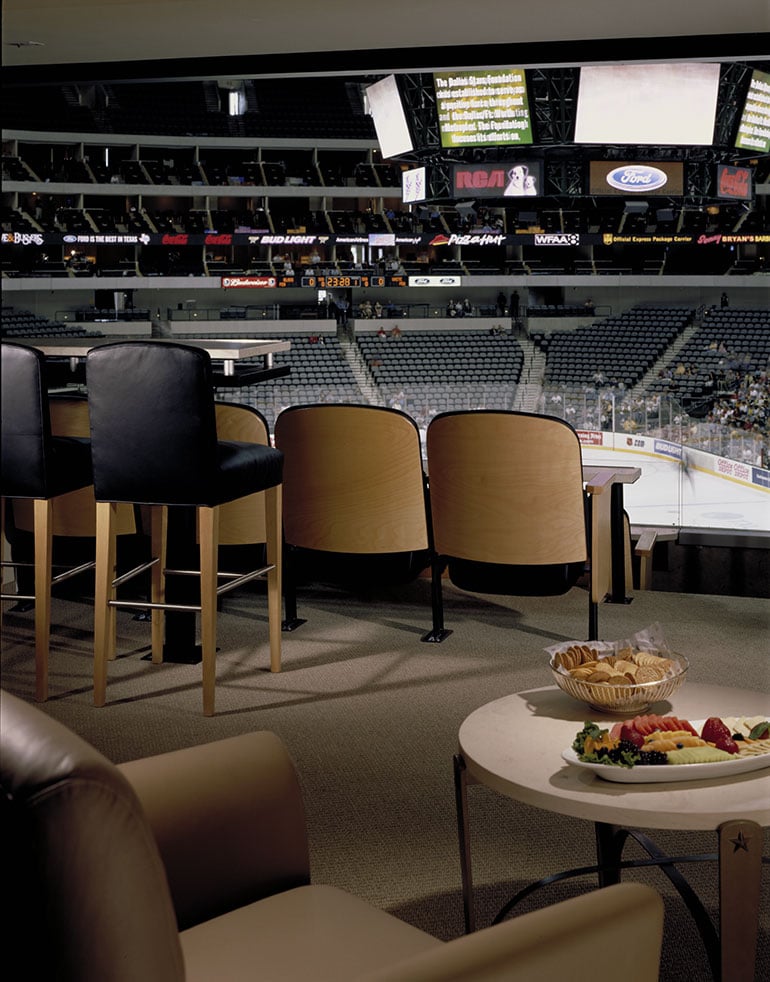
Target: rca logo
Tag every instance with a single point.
(478, 179)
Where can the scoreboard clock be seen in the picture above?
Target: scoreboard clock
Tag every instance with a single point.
(343, 281)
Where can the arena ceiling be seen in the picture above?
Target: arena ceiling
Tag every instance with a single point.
(54, 40)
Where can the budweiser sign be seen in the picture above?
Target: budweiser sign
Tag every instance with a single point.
(248, 282)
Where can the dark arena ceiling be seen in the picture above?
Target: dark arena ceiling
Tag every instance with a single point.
(106, 40)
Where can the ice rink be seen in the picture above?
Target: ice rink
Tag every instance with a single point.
(669, 493)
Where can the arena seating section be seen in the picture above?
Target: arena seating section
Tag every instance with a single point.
(727, 344)
(697, 358)
(433, 371)
(615, 351)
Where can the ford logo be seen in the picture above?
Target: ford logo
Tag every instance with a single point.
(637, 177)
(69, 238)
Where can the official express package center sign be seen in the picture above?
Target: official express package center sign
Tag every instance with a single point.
(483, 108)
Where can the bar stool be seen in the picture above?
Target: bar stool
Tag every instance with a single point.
(154, 442)
(36, 465)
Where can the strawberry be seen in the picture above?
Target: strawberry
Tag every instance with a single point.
(633, 736)
(714, 731)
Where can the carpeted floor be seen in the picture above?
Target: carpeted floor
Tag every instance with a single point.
(370, 715)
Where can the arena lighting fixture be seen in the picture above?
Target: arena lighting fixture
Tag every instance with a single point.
(236, 96)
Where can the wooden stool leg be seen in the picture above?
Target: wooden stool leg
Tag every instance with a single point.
(208, 533)
(158, 537)
(273, 523)
(104, 614)
(43, 525)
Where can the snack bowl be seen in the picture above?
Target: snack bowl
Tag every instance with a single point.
(622, 700)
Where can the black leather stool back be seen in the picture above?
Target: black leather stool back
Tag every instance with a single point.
(34, 464)
(153, 424)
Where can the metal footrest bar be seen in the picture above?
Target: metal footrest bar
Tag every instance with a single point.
(240, 579)
(124, 577)
(59, 578)
(149, 605)
(17, 596)
(235, 580)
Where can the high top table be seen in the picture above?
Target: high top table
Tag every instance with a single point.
(229, 351)
(514, 746)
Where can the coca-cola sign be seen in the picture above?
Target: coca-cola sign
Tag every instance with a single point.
(734, 182)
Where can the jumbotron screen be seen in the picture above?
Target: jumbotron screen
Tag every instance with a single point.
(754, 127)
(483, 108)
(651, 104)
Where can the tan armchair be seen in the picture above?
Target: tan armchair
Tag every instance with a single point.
(194, 865)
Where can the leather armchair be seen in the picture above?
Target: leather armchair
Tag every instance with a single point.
(193, 865)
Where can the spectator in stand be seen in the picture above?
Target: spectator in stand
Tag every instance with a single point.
(500, 304)
(342, 311)
(747, 407)
(514, 306)
(724, 301)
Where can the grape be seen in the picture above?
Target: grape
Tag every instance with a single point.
(625, 753)
(652, 757)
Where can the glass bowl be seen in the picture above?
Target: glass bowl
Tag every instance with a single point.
(622, 700)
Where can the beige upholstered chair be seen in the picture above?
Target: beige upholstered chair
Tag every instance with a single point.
(193, 865)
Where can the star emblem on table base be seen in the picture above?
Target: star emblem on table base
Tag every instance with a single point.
(741, 841)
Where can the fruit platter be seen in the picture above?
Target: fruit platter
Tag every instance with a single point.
(651, 748)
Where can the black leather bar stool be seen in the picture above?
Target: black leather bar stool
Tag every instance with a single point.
(38, 466)
(154, 442)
